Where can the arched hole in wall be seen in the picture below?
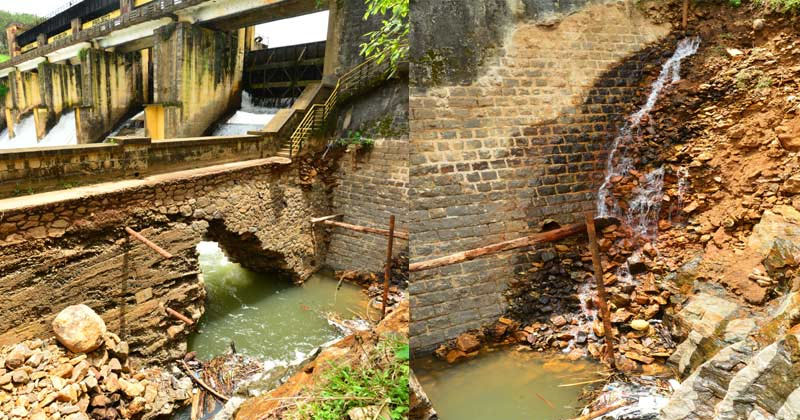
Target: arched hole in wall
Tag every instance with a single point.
(247, 250)
(263, 313)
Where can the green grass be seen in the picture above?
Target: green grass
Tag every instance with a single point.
(357, 138)
(381, 381)
(4, 57)
(784, 6)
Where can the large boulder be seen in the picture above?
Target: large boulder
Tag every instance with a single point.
(79, 328)
(780, 222)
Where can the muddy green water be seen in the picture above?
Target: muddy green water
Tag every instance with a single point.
(265, 315)
(504, 384)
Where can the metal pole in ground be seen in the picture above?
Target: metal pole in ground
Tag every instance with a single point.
(387, 273)
(601, 289)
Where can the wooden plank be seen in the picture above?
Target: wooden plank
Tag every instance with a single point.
(549, 236)
(324, 218)
(365, 229)
(601, 289)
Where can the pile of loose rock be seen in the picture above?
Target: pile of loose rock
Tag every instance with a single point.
(559, 311)
(43, 379)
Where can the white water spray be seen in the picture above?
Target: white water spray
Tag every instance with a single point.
(62, 134)
(618, 164)
(643, 209)
(249, 117)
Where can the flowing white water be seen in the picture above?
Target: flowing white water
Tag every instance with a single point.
(129, 124)
(619, 163)
(643, 209)
(249, 117)
(62, 134)
(645, 205)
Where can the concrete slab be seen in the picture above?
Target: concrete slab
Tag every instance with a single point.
(52, 197)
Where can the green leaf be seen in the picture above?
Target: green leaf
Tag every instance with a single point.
(402, 353)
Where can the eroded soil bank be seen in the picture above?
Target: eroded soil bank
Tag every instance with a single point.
(706, 301)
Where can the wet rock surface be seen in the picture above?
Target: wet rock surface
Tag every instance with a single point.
(726, 243)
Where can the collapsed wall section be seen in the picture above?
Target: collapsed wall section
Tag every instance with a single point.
(64, 251)
(508, 130)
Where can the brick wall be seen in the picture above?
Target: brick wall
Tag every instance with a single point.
(371, 186)
(494, 156)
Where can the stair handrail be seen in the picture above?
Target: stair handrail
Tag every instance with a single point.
(351, 81)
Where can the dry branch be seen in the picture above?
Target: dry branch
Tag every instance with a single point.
(179, 315)
(387, 273)
(201, 383)
(601, 289)
(604, 410)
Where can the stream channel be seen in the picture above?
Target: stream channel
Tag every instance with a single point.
(266, 316)
(505, 384)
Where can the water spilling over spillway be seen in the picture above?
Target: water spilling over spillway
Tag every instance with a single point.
(249, 117)
(62, 134)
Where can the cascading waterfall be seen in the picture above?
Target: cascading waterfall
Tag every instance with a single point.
(249, 117)
(62, 134)
(644, 207)
(619, 163)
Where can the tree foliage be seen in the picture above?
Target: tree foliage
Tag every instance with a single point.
(390, 42)
(6, 18)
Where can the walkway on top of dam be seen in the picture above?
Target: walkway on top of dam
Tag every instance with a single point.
(54, 197)
(63, 35)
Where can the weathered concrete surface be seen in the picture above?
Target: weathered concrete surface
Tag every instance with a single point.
(197, 76)
(111, 86)
(60, 90)
(63, 248)
(512, 107)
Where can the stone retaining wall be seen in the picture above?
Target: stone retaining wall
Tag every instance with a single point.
(67, 248)
(372, 185)
(24, 171)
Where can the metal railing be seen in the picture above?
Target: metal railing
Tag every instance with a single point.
(356, 80)
(146, 12)
(61, 8)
